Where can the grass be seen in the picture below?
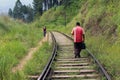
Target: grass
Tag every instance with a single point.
(100, 19)
(16, 38)
(101, 38)
(107, 53)
(36, 65)
(33, 67)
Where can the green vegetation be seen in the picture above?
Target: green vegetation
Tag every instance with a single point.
(100, 19)
(22, 12)
(16, 38)
(60, 16)
(35, 65)
(40, 59)
(103, 33)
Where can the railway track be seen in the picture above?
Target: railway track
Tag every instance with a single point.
(63, 66)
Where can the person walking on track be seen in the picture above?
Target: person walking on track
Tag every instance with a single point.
(79, 37)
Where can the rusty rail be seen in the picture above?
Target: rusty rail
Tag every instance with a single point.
(47, 68)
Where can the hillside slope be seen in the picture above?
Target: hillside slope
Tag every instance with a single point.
(100, 18)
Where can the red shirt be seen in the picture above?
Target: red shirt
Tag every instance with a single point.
(78, 34)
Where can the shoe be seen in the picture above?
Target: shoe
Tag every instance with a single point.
(79, 56)
(75, 56)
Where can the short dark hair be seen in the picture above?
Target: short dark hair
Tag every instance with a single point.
(77, 23)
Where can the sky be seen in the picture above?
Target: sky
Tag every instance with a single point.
(6, 4)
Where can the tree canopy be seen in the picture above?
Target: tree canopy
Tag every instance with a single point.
(27, 13)
(21, 12)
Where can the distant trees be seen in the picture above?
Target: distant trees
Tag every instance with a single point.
(40, 6)
(27, 13)
(37, 7)
(21, 12)
(10, 12)
(17, 11)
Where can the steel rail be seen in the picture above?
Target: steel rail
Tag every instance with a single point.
(47, 68)
(99, 65)
(104, 72)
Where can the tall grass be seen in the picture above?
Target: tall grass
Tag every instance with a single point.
(107, 53)
(33, 67)
(36, 65)
(101, 38)
(16, 38)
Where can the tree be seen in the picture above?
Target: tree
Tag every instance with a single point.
(17, 12)
(50, 4)
(30, 15)
(27, 12)
(43, 5)
(10, 13)
(22, 12)
(38, 7)
(55, 2)
(66, 3)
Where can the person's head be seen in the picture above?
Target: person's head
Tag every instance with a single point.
(77, 24)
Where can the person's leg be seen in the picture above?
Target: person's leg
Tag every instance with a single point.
(79, 50)
(75, 50)
(80, 45)
(45, 34)
(79, 53)
(75, 53)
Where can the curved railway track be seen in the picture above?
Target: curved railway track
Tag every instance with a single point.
(63, 66)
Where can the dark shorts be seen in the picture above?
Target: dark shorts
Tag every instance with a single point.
(78, 45)
(77, 49)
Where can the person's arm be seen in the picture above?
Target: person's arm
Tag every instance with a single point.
(83, 37)
(72, 32)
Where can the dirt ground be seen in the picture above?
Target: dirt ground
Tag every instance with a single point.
(29, 55)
